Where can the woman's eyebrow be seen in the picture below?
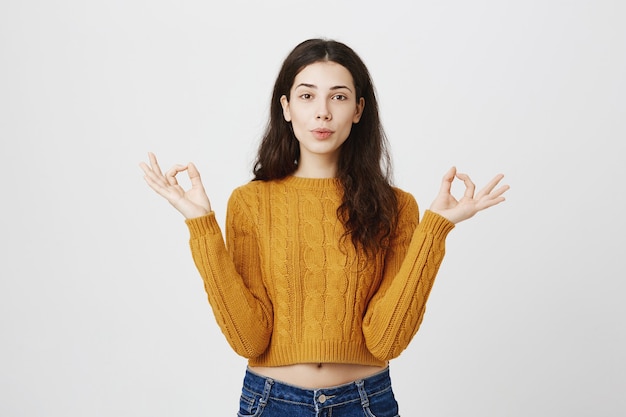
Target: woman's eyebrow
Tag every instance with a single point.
(313, 86)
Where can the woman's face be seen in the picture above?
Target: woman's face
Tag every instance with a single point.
(322, 108)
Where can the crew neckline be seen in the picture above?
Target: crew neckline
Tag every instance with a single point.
(315, 183)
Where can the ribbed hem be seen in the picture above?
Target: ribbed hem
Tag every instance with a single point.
(316, 352)
(202, 226)
(436, 224)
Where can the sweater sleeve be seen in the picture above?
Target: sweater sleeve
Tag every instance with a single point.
(232, 279)
(396, 310)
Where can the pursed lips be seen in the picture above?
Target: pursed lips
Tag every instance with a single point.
(322, 133)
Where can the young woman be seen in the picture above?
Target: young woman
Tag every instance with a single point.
(326, 268)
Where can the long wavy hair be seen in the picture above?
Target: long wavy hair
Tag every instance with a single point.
(369, 208)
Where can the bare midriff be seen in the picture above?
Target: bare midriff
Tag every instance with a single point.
(317, 375)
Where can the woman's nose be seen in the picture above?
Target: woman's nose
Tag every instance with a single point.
(323, 113)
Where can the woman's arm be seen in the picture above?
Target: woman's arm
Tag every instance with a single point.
(235, 289)
(396, 310)
(232, 279)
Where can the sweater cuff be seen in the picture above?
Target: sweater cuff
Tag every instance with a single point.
(204, 225)
(436, 224)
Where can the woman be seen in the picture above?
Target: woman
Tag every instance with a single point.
(326, 269)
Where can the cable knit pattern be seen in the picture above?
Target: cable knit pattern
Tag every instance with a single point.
(286, 289)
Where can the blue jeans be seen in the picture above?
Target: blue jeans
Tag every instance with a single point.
(369, 397)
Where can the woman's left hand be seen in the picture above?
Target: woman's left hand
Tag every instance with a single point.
(458, 210)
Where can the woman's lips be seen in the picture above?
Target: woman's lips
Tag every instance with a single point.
(322, 133)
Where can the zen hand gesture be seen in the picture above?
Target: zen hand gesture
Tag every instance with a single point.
(191, 203)
(456, 211)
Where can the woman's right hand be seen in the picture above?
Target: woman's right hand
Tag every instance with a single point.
(191, 203)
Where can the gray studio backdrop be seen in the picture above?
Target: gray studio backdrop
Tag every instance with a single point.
(101, 310)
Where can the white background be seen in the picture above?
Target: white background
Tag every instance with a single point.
(102, 312)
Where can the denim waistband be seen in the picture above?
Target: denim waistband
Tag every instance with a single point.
(358, 390)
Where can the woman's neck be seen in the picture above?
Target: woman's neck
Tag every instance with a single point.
(316, 168)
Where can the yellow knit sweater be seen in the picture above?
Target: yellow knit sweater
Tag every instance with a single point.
(285, 290)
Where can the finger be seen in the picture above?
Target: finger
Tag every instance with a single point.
(156, 183)
(194, 175)
(154, 179)
(490, 186)
(470, 187)
(145, 168)
(446, 182)
(493, 198)
(497, 193)
(170, 175)
(483, 204)
(154, 164)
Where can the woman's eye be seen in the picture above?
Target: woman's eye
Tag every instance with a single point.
(340, 97)
(305, 96)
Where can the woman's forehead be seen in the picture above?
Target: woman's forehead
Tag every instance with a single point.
(324, 74)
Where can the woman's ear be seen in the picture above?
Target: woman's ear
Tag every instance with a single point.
(286, 113)
(359, 110)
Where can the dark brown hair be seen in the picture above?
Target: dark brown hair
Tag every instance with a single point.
(369, 208)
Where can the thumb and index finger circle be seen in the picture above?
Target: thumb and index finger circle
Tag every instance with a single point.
(173, 171)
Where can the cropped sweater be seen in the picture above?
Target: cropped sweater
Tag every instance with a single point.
(286, 288)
